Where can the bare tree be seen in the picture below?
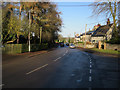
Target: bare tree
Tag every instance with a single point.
(107, 8)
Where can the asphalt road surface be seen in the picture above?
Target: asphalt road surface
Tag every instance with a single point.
(61, 68)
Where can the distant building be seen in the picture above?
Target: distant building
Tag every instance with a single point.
(88, 36)
(77, 38)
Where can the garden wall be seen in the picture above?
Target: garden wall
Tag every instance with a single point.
(113, 46)
(87, 45)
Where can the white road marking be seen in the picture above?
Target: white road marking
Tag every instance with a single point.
(90, 66)
(64, 54)
(66, 51)
(90, 78)
(37, 69)
(90, 70)
(72, 75)
(57, 59)
(90, 62)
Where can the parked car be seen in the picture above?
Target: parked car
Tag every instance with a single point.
(72, 45)
(62, 44)
(67, 44)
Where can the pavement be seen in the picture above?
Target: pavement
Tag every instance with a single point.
(25, 54)
(61, 68)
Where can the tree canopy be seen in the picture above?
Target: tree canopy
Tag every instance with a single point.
(23, 17)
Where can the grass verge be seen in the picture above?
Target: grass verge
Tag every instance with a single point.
(106, 51)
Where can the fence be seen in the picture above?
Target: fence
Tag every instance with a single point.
(20, 48)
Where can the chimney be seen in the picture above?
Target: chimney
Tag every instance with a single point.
(108, 21)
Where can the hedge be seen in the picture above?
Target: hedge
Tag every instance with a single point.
(21, 48)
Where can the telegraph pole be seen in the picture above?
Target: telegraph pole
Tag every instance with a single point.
(85, 36)
(40, 34)
(29, 31)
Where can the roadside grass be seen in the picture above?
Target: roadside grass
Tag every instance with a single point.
(106, 51)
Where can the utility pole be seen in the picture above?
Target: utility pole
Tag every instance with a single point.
(40, 34)
(85, 36)
(74, 37)
(29, 30)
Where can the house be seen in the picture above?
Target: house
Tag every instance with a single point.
(77, 38)
(88, 36)
(103, 33)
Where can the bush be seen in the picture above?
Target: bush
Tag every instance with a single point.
(80, 42)
(114, 40)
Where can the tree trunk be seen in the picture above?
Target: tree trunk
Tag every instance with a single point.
(20, 24)
(17, 39)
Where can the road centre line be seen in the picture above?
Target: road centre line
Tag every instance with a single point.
(63, 54)
(61, 57)
(37, 69)
(44, 65)
(90, 70)
(57, 59)
(66, 52)
(90, 78)
(90, 66)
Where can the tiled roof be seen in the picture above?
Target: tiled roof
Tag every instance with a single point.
(102, 30)
(88, 33)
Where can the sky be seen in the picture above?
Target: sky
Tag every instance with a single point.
(76, 17)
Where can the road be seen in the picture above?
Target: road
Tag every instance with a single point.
(61, 68)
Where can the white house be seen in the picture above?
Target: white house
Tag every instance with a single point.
(102, 33)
